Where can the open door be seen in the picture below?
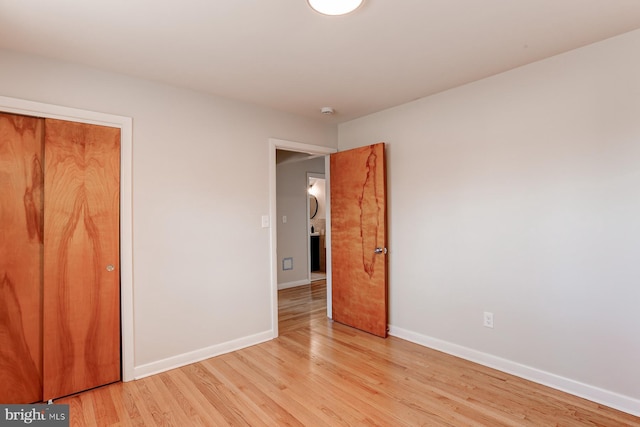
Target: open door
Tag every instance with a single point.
(359, 238)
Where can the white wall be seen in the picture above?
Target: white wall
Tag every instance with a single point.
(200, 169)
(520, 195)
(320, 189)
(291, 199)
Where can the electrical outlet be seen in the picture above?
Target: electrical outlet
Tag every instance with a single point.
(488, 319)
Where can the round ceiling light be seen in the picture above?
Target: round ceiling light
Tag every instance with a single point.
(335, 7)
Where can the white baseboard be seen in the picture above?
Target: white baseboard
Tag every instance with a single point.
(586, 391)
(288, 285)
(199, 355)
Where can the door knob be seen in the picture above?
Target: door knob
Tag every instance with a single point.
(110, 267)
(380, 251)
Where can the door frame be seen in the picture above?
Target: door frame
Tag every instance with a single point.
(125, 124)
(280, 144)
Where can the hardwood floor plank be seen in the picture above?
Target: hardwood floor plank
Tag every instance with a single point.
(320, 373)
(219, 396)
(260, 402)
(149, 405)
(76, 412)
(392, 396)
(168, 400)
(207, 412)
(291, 385)
(104, 407)
(174, 392)
(130, 414)
(121, 405)
(276, 389)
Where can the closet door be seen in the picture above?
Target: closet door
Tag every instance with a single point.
(81, 257)
(20, 258)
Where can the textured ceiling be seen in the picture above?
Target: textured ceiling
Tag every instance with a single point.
(281, 54)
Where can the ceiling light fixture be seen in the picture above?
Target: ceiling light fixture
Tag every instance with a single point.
(334, 7)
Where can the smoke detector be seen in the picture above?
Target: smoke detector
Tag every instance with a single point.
(327, 111)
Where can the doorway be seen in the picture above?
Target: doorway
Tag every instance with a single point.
(303, 150)
(317, 226)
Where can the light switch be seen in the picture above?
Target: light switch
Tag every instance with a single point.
(284, 219)
(265, 221)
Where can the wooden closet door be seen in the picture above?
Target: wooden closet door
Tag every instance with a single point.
(20, 258)
(81, 257)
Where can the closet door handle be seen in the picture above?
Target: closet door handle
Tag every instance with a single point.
(110, 268)
(380, 251)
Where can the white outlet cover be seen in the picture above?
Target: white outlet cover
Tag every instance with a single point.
(487, 320)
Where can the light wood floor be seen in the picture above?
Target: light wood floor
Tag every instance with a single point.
(320, 373)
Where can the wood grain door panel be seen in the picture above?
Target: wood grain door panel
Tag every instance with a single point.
(81, 238)
(21, 149)
(358, 227)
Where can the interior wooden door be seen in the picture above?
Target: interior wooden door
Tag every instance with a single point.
(20, 258)
(81, 257)
(358, 238)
